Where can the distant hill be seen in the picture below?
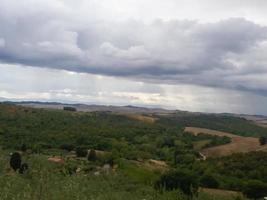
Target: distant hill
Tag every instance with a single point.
(92, 108)
(259, 120)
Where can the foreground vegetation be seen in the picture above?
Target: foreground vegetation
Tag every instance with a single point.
(52, 181)
(134, 159)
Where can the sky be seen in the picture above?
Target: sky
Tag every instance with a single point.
(207, 56)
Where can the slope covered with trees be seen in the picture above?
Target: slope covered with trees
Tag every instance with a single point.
(128, 157)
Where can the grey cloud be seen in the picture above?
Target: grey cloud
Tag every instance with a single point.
(176, 51)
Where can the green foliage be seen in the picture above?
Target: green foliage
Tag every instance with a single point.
(216, 141)
(226, 123)
(209, 181)
(127, 144)
(23, 168)
(81, 152)
(185, 180)
(251, 165)
(23, 147)
(36, 148)
(67, 147)
(15, 161)
(255, 189)
(263, 140)
(137, 174)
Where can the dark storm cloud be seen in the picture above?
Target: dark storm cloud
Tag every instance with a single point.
(218, 54)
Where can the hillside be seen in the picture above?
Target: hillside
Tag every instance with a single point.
(134, 153)
(93, 108)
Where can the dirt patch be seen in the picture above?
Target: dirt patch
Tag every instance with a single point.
(56, 160)
(262, 124)
(239, 144)
(158, 163)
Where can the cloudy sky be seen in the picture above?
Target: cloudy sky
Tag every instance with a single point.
(207, 55)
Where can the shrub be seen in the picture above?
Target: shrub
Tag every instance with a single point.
(70, 168)
(67, 147)
(15, 161)
(209, 181)
(23, 168)
(185, 180)
(255, 189)
(81, 152)
(36, 148)
(263, 140)
(108, 158)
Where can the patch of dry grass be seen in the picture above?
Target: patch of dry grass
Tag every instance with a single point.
(220, 192)
(239, 144)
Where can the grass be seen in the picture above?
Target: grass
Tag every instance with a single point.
(44, 181)
(198, 145)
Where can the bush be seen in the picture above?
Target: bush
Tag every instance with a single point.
(36, 148)
(15, 161)
(209, 181)
(108, 158)
(255, 189)
(263, 140)
(67, 147)
(23, 168)
(81, 152)
(70, 168)
(185, 180)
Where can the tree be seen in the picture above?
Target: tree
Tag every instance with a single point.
(209, 181)
(15, 161)
(92, 155)
(255, 189)
(81, 152)
(185, 180)
(263, 140)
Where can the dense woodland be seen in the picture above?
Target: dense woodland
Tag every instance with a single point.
(40, 133)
